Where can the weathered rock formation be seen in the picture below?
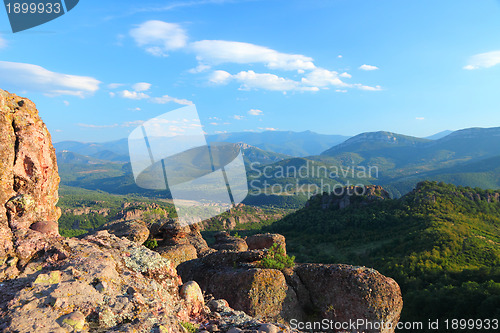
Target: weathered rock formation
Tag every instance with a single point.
(28, 184)
(333, 292)
(353, 195)
(108, 282)
(224, 241)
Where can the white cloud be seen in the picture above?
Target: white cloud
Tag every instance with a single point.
(141, 86)
(167, 99)
(366, 67)
(251, 80)
(367, 88)
(345, 75)
(133, 95)
(255, 112)
(199, 69)
(115, 85)
(483, 60)
(159, 37)
(268, 128)
(220, 77)
(339, 56)
(37, 78)
(238, 117)
(419, 118)
(221, 51)
(66, 103)
(214, 124)
(321, 77)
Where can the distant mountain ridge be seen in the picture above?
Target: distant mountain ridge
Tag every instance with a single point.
(291, 143)
(469, 157)
(375, 140)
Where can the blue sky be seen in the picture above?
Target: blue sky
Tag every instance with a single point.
(333, 67)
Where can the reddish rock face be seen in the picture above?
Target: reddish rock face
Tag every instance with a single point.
(28, 177)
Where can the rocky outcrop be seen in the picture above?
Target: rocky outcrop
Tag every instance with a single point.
(352, 195)
(172, 233)
(28, 184)
(224, 241)
(104, 281)
(265, 241)
(314, 291)
(242, 214)
(235, 277)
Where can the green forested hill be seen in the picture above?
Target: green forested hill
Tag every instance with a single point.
(440, 242)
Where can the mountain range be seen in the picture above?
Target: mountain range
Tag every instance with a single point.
(468, 157)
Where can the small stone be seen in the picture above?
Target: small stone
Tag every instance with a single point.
(101, 286)
(20, 103)
(218, 305)
(75, 319)
(268, 328)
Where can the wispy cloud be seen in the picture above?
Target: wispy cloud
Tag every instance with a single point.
(141, 86)
(3, 42)
(158, 37)
(36, 78)
(238, 117)
(133, 95)
(366, 67)
(483, 60)
(167, 99)
(255, 112)
(97, 126)
(133, 123)
(115, 85)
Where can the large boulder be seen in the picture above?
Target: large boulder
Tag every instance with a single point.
(333, 292)
(177, 253)
(28, 183)
(224, 241)
(343, 292)
(137, 231)
(172, 233)
(265, 241)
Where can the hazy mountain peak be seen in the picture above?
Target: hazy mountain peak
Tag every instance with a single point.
(374, 140)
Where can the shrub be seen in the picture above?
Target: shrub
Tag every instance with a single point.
(277, 259)
(191, 328)
(151, 244)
